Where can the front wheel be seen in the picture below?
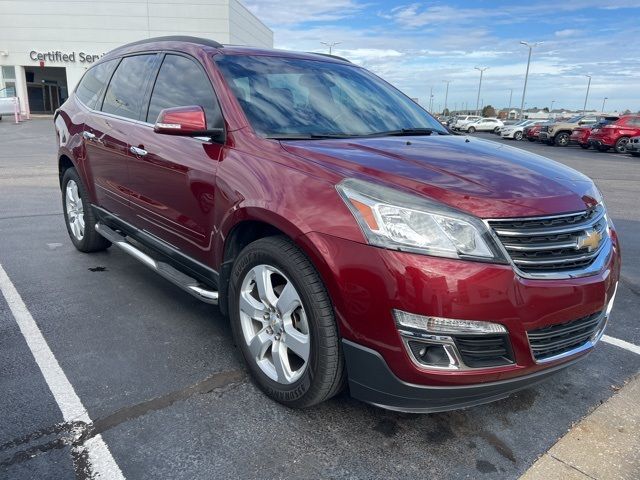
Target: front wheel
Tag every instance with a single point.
(621, 145)
(283, 322)
(79, 216)
(471, 130)
(517, 136)
(561, 139)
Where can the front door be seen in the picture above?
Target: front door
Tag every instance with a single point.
(172, 178)
(107, 133)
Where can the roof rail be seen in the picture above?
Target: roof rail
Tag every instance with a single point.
(331, 56)
(174, 38)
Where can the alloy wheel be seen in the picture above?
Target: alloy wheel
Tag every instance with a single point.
(274, 324)
(75, 209)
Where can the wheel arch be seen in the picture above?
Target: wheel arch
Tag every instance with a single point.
(248, 228)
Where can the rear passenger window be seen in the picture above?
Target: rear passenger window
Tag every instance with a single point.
(181, 82)
(92, 83)
(125, 93)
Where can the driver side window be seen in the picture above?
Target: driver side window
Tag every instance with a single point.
(180, 83)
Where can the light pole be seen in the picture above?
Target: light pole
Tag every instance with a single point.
(330, 45)
(604, 100)
(446, 95)
(510, 98)
(526, 75)
(552, 102)
(431, 101)
(481, 70)
(586, 97)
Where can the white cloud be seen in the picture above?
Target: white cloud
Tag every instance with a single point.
(568, 32)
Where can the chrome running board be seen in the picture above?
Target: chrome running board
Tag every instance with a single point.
(175, 276)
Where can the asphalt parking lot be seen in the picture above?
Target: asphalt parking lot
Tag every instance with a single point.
(162, 382)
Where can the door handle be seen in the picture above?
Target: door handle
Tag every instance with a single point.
(88, 135)
(137, 151)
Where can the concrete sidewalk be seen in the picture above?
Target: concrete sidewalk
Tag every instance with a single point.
(604, 445)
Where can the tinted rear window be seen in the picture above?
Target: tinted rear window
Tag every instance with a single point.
(126, 90)
(93, 82)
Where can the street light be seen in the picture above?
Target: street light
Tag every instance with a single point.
(526, 76)
(604, 100)
(552, 102)
(586, 97)
(481, 70)
(330, 45)
(446, 95)
(510, 98)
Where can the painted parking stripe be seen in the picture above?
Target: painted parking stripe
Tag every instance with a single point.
(621, 343)
(101, 461)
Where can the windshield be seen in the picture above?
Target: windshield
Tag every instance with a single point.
(294, 98)
(575, 119)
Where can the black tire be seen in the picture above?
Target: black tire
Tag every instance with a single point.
(531, 139)
(517, 136)
(91, 241)
(496, 130)
(471, 130)
(561, 139)
(621, 145)
(635, 154)
(602, 148)
(585, 146)
(324, 375)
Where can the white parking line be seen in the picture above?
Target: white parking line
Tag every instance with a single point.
(621, 343)
(101, 461)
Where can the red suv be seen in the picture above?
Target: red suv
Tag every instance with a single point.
(616, 134)
(348, 236)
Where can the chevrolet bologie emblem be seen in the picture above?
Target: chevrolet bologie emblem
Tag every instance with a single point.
(589, 240)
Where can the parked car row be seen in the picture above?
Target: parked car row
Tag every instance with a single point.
(603, 133)
(474, 123)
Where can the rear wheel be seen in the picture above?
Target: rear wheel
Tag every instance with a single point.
(79, 216)
(561, 139)
(621, 145)
(283, 322)
(517, 136)
(471, 130)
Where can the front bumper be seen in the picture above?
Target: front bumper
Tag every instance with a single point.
(633, 147)
(371, 381)
(601, 142)
(367, 283)
(544, 136)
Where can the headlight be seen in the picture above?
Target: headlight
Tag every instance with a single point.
(401, 221)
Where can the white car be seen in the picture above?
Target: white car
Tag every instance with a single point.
(7, 103)
(516, 131)
(463, 120)
(483, 125)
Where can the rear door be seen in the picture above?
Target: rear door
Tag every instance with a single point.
(106, 133)
(173, 181)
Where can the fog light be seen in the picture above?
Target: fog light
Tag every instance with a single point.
(430, 354)
(445, 326)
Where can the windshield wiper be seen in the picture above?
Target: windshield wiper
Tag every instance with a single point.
(311, 136)
(407, 132)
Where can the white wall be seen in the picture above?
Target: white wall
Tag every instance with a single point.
(95, 27)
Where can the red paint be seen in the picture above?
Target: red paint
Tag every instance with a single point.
(193, 193)
(181, 120)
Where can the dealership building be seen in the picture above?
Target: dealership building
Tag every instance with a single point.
(46, 46)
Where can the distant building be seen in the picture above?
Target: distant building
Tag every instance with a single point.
(45, 47)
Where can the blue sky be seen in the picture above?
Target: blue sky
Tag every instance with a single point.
(417, 45)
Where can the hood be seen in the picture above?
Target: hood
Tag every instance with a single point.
(484, 178)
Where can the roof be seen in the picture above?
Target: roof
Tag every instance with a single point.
(149, 43)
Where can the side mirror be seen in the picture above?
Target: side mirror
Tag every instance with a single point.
(186, 121)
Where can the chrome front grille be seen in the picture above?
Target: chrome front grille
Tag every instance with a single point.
(555, 244)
